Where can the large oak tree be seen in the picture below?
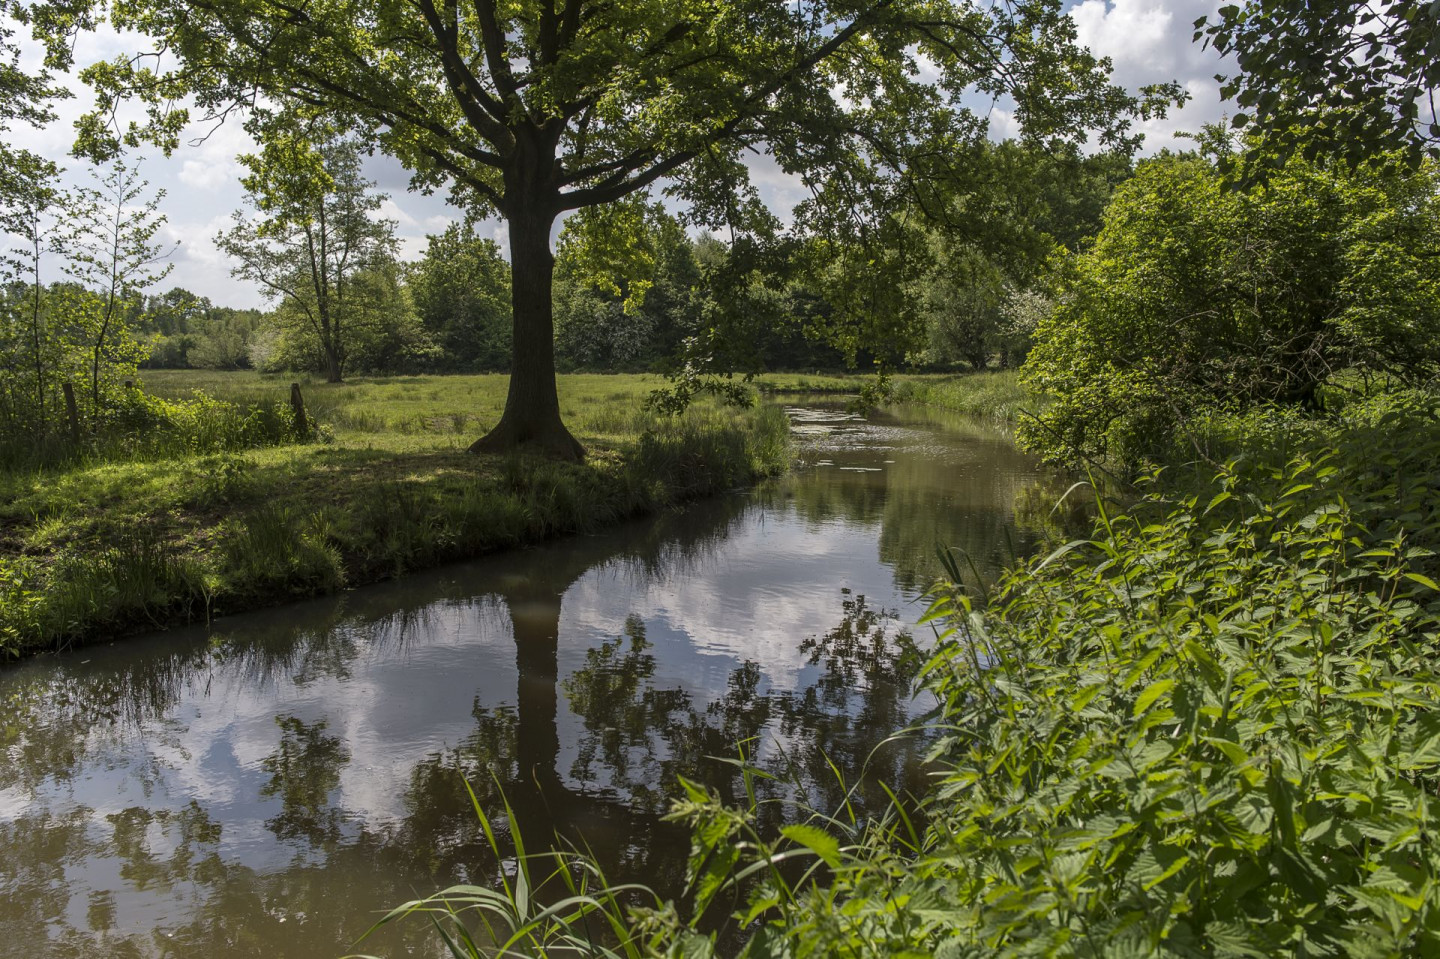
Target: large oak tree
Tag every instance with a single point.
(535, 108)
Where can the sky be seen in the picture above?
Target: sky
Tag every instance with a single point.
(1148, 41)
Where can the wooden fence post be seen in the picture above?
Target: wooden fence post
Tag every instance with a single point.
(70, 412)
(297, 405)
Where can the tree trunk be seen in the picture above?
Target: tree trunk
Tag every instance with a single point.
(72, 416)
(334, 373)
(532, 408)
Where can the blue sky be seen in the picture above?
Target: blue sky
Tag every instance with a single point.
(1148, 40)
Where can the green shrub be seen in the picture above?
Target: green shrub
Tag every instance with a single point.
(1213, 729)
(995, 395)
(138, 580)
(137, 426)
(1196, 296)
(148, 425)
(271, 551)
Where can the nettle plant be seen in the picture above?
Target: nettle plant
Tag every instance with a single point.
(1210, 730)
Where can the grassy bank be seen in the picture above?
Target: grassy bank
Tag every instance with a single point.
(1212, 728)
(996, 395)
(993, 395)
(104, 546)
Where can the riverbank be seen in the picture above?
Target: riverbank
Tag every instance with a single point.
(102, 550)
(994, 395)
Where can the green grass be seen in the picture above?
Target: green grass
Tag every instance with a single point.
(108, 548)
(996, 395)
(819, 383)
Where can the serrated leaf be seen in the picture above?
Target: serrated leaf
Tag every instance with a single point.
(818, 841)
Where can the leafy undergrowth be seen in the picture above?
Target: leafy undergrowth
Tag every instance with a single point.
(141, 426)
(95, 551)
(1210, 730)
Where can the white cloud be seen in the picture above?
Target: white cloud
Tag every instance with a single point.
(390, 210)
(1003, 124)
(199, 175)
(1149, 41)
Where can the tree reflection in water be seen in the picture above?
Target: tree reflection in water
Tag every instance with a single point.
(304, 770)
(271, 789)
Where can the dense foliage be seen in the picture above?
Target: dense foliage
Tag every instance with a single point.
(1198, 296)
(991, 236)
(461, 290)
(1348, 79)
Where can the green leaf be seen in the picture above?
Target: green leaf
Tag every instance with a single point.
(1151, 693)
(818, 841)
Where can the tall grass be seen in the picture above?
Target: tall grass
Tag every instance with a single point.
(995, 395)
(558, 903)
(135, 583)
(142, 427)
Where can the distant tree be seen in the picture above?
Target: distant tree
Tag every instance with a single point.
(175, 311)
(169, 323)
(223, 339)
(383, 333)
(114, 253)
(531, 109)
(1196, 296)
(612, 315)
(461, 289)
(389, 335)
(1338, 79)
(992, 233)
(962, 298)
(30, 212)
(313, 232)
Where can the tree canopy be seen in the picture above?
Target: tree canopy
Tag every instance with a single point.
(1348, 78)
(1196, 296)
(533, 108)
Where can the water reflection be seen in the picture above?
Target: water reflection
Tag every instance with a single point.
(269, 787)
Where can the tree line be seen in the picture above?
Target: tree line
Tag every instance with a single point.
(920, 242)
(342, 301)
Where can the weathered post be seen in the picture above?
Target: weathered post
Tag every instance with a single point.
(70, 412)
(297, 405)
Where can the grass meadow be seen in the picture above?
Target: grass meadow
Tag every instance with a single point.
(104, 546)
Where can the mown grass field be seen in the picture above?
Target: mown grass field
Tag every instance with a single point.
(109, 546)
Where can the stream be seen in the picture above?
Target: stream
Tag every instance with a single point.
(272, 784)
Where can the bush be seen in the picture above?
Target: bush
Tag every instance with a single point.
(1197, 295)
(138, 425)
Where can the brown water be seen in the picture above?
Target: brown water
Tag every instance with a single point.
(269, 786)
